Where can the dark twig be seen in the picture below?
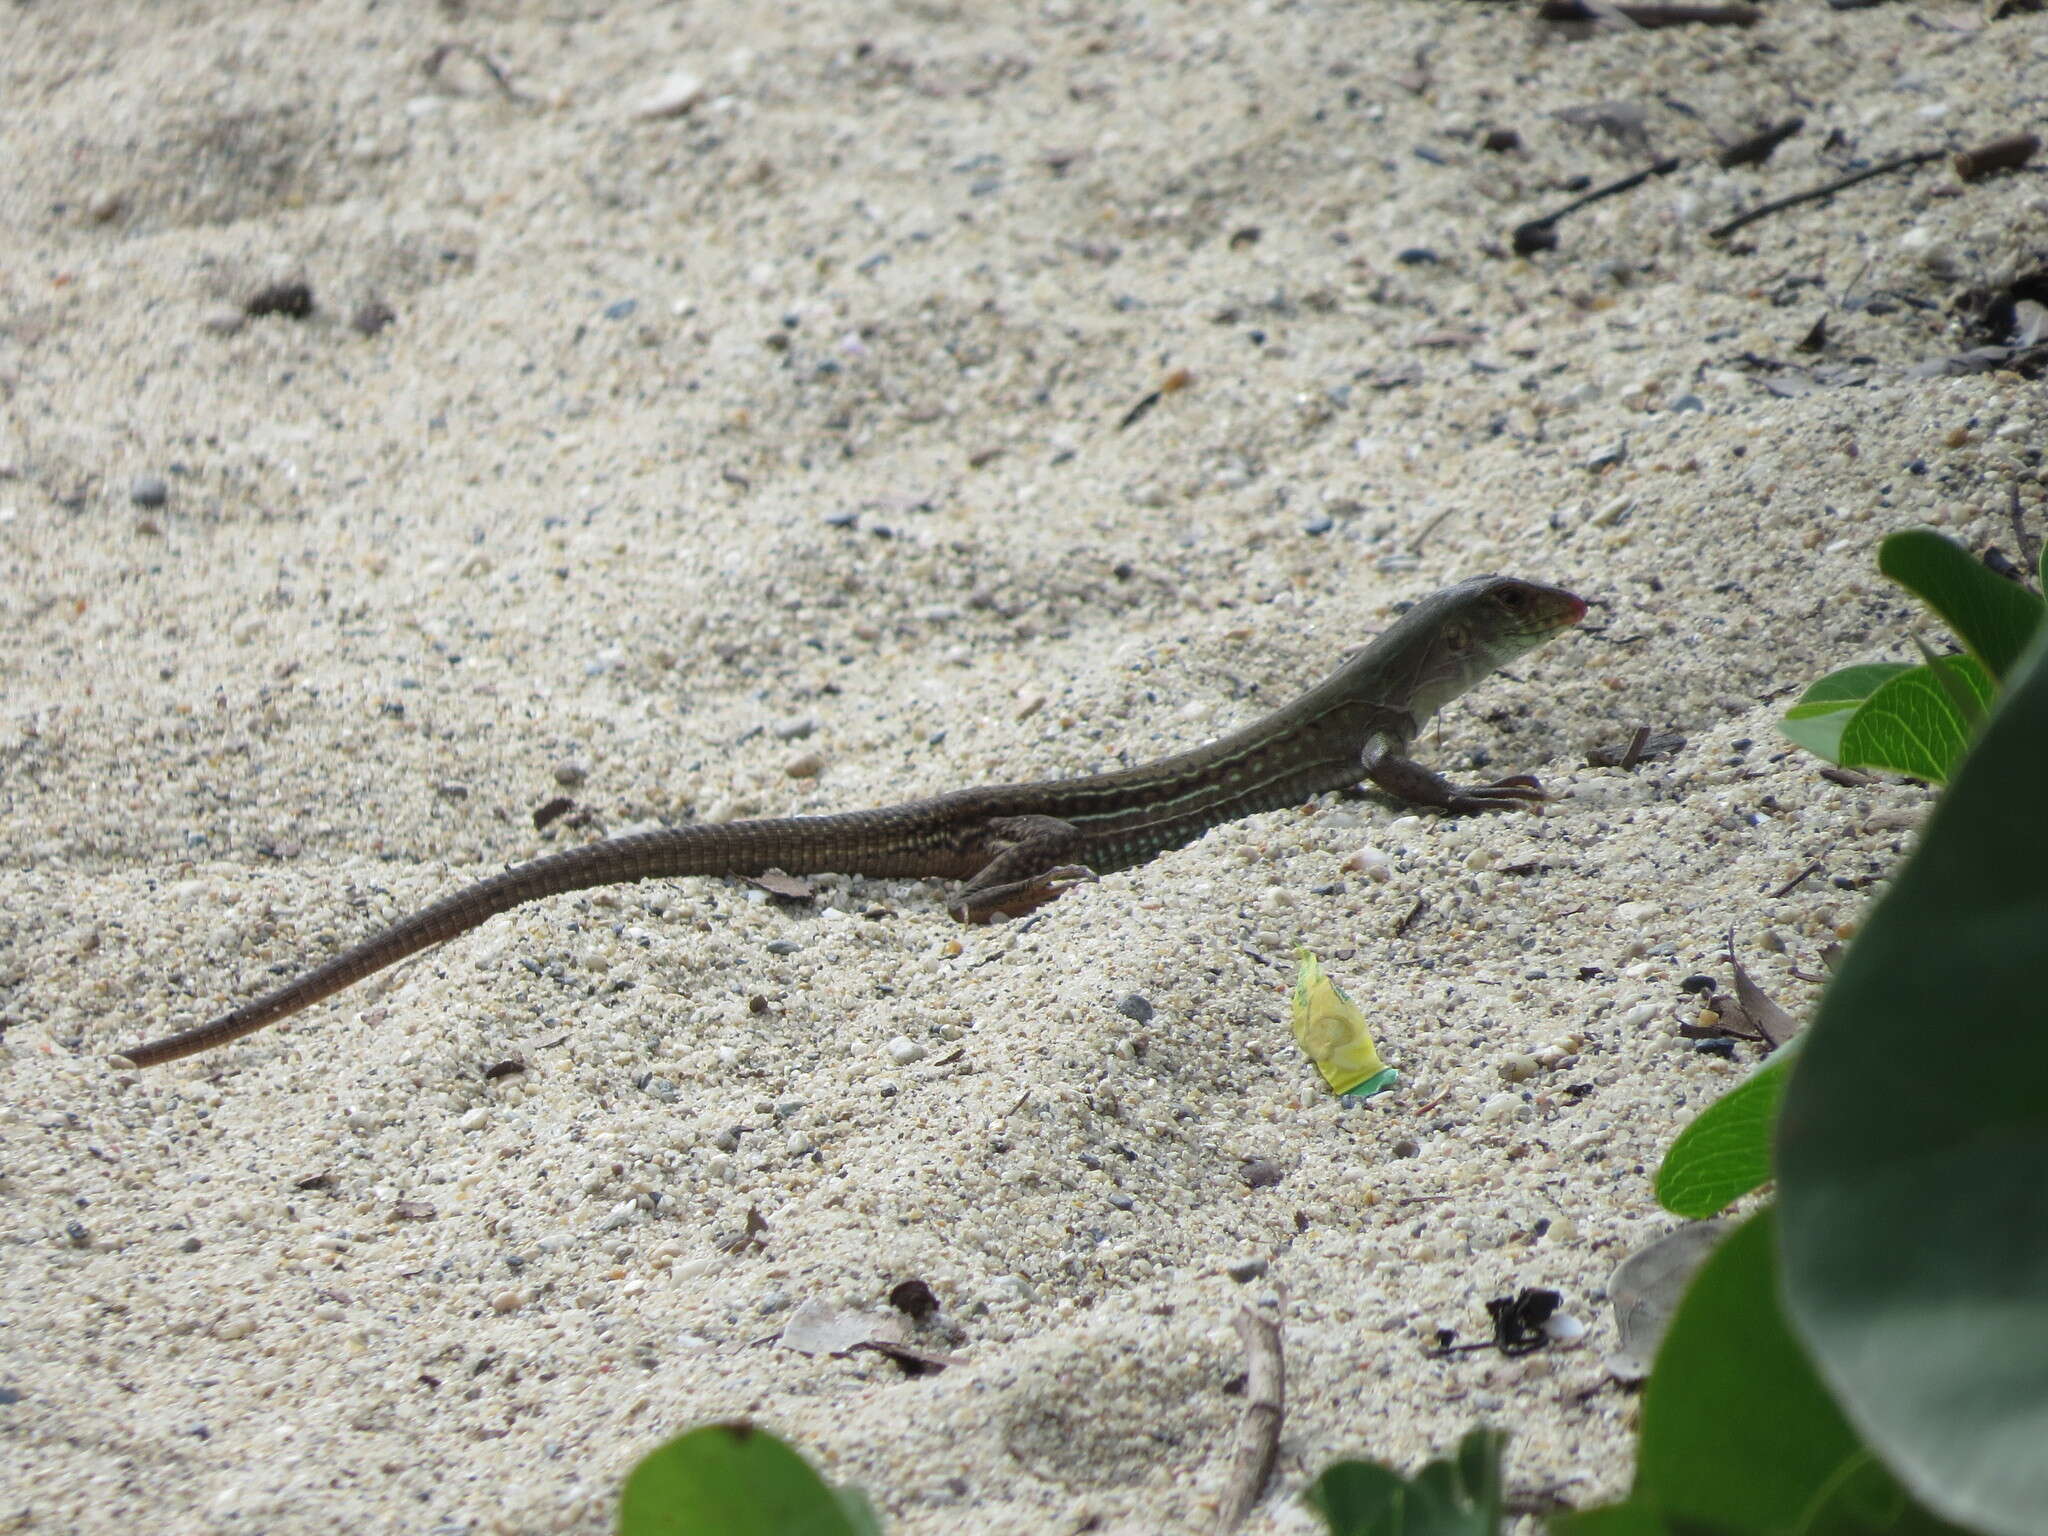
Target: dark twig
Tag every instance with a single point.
(1541, 234)
(2006, 154)
(1652, 15)
(2029, 548)
(1796, 881)
(1258, 1434)
(1756, 149)
(1633, 753)
(1826, 190)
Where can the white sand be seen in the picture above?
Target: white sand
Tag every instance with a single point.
(912, 263)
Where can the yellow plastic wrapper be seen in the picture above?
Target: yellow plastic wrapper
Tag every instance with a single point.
(1332, 1030)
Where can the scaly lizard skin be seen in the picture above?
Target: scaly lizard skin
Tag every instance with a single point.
(1019, 845)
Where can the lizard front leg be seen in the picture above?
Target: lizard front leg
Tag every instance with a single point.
(1406, 779)
(1032, 866)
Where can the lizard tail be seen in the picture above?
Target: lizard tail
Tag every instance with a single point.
(732, 848)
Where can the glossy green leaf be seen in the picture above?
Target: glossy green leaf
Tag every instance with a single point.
(1994, 618)
(1726, 1151)
(1456, 1497)
(736, 1480)
(1913, 1147)
(1738, 1433)
(1816, 721)
(1909, 726)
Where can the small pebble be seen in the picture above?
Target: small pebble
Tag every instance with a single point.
(1563, 1328)
(1244, 1271)
(1258, 1173)
(371, 316)
(1318, 525)
(148, 491)
(675, 94)
(621, 310)
(1136, 1006)
(223, 321)
(1418, 256)
(805, 765)
(795, 728)
(570, 774)
(508, 1301)
(294, 301)
(1406, 1147)
(1502, 1106)
(903, 1050)
(1123, 1202)
(1688, 403)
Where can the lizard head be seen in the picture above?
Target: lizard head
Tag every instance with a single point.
(1467, 631)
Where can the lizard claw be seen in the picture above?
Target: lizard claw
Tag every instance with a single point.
(1021, 896)
(1502, 795)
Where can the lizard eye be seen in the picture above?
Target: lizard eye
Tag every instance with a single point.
(1512, 597)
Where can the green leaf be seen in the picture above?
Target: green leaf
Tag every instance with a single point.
(1994, 618)
(1457, 1497)
(736, 1480)
(1726, 1151)
(1739, 1434)
(1630, 1519)
(1913, 1142)
(1816, 721)
(1909, 726)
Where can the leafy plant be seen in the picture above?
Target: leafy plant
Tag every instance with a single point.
(1456, 1497)
(736, 1480)
(1738, 1433)
(1920, 720)
(1726, 1152)
(1913, 1139)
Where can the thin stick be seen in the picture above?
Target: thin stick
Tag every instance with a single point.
(1537, 234)
(1828, 189)
(1258, 1434)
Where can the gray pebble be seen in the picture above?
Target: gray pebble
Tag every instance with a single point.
(1318, 525)
(1406, 1148)
(1245, 1271)
(148, 491)
(774, 1301)
(1136, 1006)
(796, 728)
(1123, 1202)
(1260, 1174)
(569, 775)
(1688, 403)
(371, 316)
(784, 947)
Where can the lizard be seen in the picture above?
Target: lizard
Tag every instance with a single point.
(1017, 846)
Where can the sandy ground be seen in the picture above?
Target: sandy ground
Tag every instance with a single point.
(798, 410)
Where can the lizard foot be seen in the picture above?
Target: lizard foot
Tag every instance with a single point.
(1020, 896)
(1505, 794)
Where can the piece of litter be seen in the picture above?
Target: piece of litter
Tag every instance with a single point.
(1333, 1032)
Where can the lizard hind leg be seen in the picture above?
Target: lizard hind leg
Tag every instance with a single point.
(1035, 866)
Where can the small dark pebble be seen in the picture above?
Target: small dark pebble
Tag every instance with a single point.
(190, 1245)
(1418, 256)
(551, 811)
(292, 300)
(1245, 1271)
(79, 1235)
(621, 309)
(914, 1299)
(1260, 1174)
(148, 491)
(1406, 1148)
(9, 1396)
(1136, 1006)
(1123, 1202)
(1688, 403)
(1720, 1046)
(845, 518)
(1241, 238)
(371, 317)
(1697, 984)
(1499, 141)
(570, 774)
(784, 947)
